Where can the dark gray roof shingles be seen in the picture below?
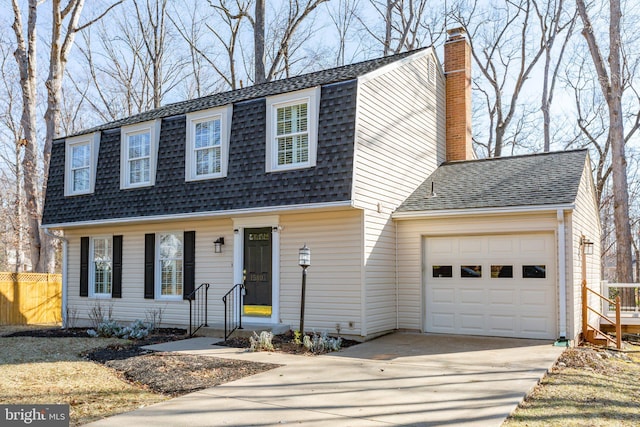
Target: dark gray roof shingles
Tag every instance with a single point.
(529, 180)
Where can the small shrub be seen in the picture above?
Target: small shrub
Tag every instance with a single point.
(261, 342)
(154, 317)
(297, 335)
(98, 314)
(321, 343)
(72, 317)
(110, 328)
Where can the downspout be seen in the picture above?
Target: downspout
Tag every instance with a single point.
(396, 279)
(65, 243)
(562, 273)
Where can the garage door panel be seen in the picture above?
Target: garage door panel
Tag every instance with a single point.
(472, 322)
(504, 305)
(502, 297)
(503, 324)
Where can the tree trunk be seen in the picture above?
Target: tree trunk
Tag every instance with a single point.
(258, 40)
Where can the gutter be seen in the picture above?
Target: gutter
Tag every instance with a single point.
(204, 215)
(480, 211)
(65, 243)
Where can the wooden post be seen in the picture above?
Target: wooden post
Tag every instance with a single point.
(618, 324)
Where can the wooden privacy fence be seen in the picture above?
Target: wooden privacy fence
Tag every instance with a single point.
(30, 298)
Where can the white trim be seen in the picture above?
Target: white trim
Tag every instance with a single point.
(562, 274)
(93, 140)
(239, 224)
(312, 97)
(224, 114)
(479, 211)
(394, 65)
(203, 215)
(153, 128)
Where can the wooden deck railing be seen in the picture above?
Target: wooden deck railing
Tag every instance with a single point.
(630, 308)
(30, 298)
(589, 330)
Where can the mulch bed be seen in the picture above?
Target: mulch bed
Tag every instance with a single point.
(167, 373)
(283, 343)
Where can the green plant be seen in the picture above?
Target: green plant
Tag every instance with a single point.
(321, 343)
(261, 342)
(111, 328)
(297, 337)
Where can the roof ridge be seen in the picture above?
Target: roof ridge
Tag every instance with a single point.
(517, 156)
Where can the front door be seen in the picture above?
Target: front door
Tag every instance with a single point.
(257, 268)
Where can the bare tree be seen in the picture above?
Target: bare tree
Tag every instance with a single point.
(506, 43)
(343, 14)
(258, 42)
(613, 81)
(64, 26)
(403, 24)
(552, 25)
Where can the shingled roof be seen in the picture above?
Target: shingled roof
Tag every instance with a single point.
(304, 81)
(529, 180)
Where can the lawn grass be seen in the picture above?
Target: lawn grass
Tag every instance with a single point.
(50, 371)
(601, 392)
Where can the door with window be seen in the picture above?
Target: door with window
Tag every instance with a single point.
(257, 272)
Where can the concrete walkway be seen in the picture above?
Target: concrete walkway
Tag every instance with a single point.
(399, 379)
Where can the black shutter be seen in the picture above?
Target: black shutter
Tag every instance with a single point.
(84, 266)
(149, 265)
(189, 263)
(116, 286)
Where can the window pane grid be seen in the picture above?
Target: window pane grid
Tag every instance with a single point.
(102, 266)
(139, 158)
(292, 136)
(171, 268)
(80, 167)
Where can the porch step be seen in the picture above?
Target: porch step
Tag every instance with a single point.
(217, 329)
(597, 338)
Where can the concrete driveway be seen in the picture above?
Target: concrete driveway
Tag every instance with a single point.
(399, 379)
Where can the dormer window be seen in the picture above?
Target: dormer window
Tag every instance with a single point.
(292, 130)
(207, 145)
(139, 154)
(80, 164)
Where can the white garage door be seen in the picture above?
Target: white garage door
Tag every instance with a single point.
(498, 285)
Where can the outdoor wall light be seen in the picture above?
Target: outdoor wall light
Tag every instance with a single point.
(217, 245)
(587, 245)
(304, 256)
(304, 261)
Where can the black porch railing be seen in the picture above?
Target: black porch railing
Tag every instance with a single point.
(232, 310)
(198, 308)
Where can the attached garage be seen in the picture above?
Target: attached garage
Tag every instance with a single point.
(497, 285)
(491, 247)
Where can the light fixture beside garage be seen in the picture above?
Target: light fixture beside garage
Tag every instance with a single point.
(586, 245)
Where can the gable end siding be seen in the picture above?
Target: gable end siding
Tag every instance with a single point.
(399, 143)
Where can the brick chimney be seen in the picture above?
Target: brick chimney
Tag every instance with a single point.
(457, 69)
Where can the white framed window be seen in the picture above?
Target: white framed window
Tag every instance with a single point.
(208, 134)
(292, 130)
(170, 266)
(101, 267)
(139, 154)
(81, 157)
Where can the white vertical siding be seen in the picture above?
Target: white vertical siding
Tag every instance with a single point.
(400, 137)
(410, 253)
(584, 220)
